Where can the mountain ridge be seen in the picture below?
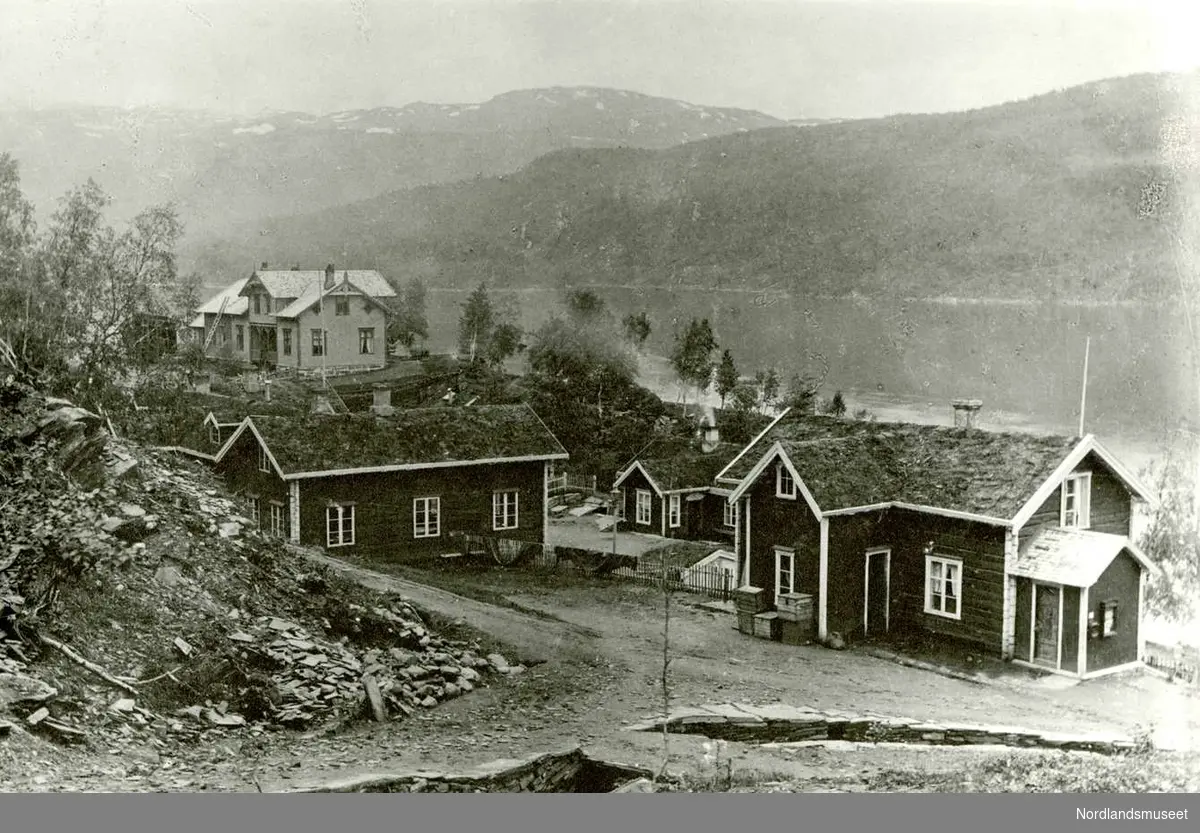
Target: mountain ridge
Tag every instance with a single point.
(1068, 195)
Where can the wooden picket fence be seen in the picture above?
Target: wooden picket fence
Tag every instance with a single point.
(1178, 664)
(564, 482)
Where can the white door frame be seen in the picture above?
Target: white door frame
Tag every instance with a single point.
(1036, 585)
(886, 552)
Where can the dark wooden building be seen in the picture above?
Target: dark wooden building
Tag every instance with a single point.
(395, 487)
(1018, 544)
(669, 489)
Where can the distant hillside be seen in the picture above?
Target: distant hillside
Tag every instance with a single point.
(226, 172)
(1064, 195)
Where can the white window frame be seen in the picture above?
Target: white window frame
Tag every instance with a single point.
(782, 471)
(366, 339)
(214, 434)
(432, 507)
(321, 349)
(782, 555)
(674, 511)
(1077, 487)
(642, 501)
(264, 461)
(505, 503)
(731, 515)
(1109, 623)
(935, 603)
(278, 522)
(337, 517)
(619, 509)
(252, 502)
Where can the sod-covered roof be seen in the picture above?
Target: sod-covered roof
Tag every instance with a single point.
(677, 463)
(419, 437)
(848, 464)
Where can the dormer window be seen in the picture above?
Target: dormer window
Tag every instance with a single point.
(785, 484)
(214, 434)
(1075, 510)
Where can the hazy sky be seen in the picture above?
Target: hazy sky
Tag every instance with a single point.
(790, 58)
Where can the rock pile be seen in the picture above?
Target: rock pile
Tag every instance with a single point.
(315, 676)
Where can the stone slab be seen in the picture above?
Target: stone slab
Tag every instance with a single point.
(733, 714)
(772, 712)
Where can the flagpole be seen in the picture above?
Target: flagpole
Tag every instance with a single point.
(1083, 395)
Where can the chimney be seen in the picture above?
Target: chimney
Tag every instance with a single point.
(381, 400)
(263, 268)
(267, 389)
(329, 276)
(710, 437)
(966, 412)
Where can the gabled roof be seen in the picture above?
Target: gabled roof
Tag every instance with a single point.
(755, 447)
(676, 464)
(237, 305)
(345, 285)
(848, 465)
(315, 446)
(1074, 557)
(299, 283)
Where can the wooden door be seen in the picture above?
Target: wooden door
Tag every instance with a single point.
(875, 604)
(1045, 625)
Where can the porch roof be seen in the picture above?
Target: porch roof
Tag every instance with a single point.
(1073, 557)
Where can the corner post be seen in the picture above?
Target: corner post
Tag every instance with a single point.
(823, 586)
(294, 511)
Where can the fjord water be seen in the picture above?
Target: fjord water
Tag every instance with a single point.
(1023, 359)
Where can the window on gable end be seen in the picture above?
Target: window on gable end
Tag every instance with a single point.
(785, 484)
(1075, 509)
(341, 306)
(731, 515)
(264, 461)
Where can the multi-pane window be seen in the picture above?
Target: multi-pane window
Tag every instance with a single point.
(341, 306)
(643, 507)
(264, 462)
(427, 513)
(785, 484)
(277, 521)
(287, 341)
(1076, 501)
(504, 510)
(252, 504)
(214, 434)
(674, 510)
(257, 304)
(241, 337)
(731, 514)
(339, 525)
(943, 587)
(366, 340)
(319, 340)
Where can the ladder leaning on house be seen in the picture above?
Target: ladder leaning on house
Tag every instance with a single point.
(212, 334)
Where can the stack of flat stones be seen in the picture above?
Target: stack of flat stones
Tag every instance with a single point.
(781, 723)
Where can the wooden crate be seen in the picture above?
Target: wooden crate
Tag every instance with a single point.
(751, 600)
(745, 622)
(766, 626)
(795, 633)
(795, 607)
